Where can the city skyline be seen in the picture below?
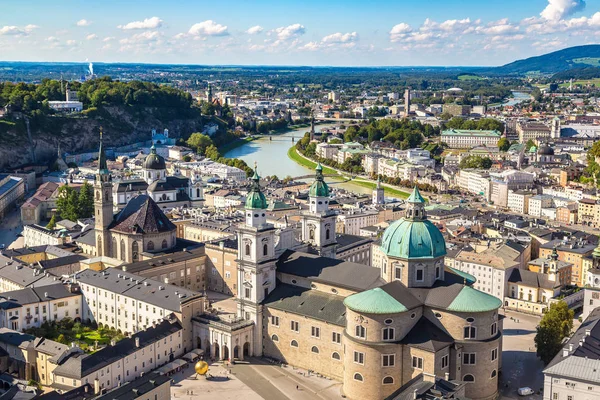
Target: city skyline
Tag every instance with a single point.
(310, 33)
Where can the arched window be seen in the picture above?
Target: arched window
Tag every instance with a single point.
(468, 378)
(134, 251)
(265, 250)
(275, 338)
(122, 250)
(388, 380)
(311, 234)
(358, 377)
(114, 249)
(327, 234)
(314, 349)
(388, 334)
(106, 195)
(165, 244)
(360, 331)
(335, 355)
(294, 343)
(247, 249)
(150, 245)
(494, 373)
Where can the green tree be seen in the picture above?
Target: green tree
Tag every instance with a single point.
(556, 325)
(86, 201)
(67, 203)
(199, 142)
(52, 224)
(212, 152)
(530, 143)
(477, 162)
(503, 144)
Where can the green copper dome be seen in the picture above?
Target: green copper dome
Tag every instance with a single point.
(256, 199)
(319, 188)
(473, 300)
(374, 301)
(413, 239)
(596, 253)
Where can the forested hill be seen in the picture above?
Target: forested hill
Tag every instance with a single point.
(561, 60)
(127, 111)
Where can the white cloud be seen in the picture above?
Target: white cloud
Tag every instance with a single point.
(254, 30)
(148, 23)
(400, 31)
(84, 22)
(108, 39)
(208, 28)
(310, 46)
(52, 39)
(71, 42)
(143, 37)
(93, 36)
(557, 10)
(11, 30)
(341, 38)
(290, 31)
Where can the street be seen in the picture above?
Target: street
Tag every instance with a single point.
(10, 227)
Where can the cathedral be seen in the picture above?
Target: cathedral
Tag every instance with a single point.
(380, 331)
(140, 226)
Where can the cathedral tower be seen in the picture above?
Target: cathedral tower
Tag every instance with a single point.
(103, 203)
(256, 261)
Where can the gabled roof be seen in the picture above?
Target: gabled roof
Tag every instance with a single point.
(532, 279)
(427, 336)
(142, 215)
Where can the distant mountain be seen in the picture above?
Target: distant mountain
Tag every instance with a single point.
(551, 63)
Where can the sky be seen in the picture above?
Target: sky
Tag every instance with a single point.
(286, 32)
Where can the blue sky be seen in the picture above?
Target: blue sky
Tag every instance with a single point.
(285, 32)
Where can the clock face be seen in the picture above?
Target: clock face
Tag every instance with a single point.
(247, 276)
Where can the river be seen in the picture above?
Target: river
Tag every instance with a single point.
(517, 97)
(271, 157)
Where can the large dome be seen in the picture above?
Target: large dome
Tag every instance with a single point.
(407, 239)
(546, 150)
(154, 161)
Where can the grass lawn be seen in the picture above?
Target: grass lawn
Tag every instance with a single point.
(293, 154)
(390, 192)
(583, 82)
(470, 78)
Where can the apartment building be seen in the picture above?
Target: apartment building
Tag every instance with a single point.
(518, 201)
(125, 360)
(12, 189)
(491, 271)
(574, 252)
(474, 181)
(15, 275)
(351, 223)
(31, 307)
(537, 203)
(221, 268)
(532, 131)
(588, 212)
(132, 303)
(503, 182)
(466, 139)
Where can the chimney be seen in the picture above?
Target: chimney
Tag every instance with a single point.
(565, 352)
(113, 342)
(447, 376)
(96, 386)
(137, 342)
(45, 294)
(570, 347)
(415, 396)
(588, 332)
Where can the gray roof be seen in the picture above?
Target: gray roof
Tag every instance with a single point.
(23, 275)
(49, 347)
(347, 242)
(308, 302)
(532, 279)
(60, 261)
(37, 294)
(188, 254)
(136, 388)
(13, 337)
(541, 261)
(80, 365)
(427, 336)
(329, 270)
(578, 248)
(137, 287)
(583, 362)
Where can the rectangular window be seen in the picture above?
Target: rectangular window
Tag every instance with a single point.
(417, 362)
(388, 360)
(359, 358)
(247, 292)
(469, 332)
(419, 275)
(494, 354)
(468, 358)
(554, 396)
(336, 337)
(398, 273)
(294, 326)
(445, 361)
(274, 320)
(315, 332)
(494, 329)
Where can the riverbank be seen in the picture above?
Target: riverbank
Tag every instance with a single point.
(233, 145)
(370, 184)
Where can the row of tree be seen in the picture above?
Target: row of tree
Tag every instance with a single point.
(73, 205)
(403, 133)
(205, 146)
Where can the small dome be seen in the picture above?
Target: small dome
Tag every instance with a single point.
(154, 161)
(546, 150)
(319, 188)
(413, 239)
(374, 301)
(473, 300)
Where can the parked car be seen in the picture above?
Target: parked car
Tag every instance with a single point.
(525, 391)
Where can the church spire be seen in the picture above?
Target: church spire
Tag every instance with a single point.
(102, 164)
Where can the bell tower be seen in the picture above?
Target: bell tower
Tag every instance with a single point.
(103, 203)
(256, 261)
(318, 224)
